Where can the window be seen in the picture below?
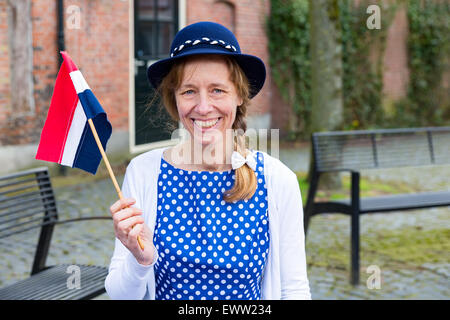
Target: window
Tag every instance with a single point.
(155, 25)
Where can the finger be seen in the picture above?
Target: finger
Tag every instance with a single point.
(126, 213)
(133, 235)
(127, 224)
(135, 231)
(121, 204)
(136, 237)
(122, 216)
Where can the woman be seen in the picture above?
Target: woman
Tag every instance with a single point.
(216, 220)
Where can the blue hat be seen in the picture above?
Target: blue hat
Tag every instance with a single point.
(209, 38)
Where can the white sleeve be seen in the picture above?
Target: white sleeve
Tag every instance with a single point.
(294, 280)
(127, 279)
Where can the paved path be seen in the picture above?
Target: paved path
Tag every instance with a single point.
(426, 281)
(92, 242)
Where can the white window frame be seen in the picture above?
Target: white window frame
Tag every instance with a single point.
(131, 103)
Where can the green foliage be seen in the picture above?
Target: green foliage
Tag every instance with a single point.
(427, 102)
(288, 31)
(362, 55)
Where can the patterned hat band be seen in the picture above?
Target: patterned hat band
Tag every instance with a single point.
(208, 38)
(204, 40)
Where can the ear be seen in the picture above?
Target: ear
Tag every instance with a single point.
(240, 101)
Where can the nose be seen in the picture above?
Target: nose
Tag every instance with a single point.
(203, 106)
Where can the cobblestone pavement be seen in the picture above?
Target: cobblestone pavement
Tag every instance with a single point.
(92, 242)
(406, 281)
(425, 281)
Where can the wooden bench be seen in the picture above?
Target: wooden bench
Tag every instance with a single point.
(28, 211)
(353, 151)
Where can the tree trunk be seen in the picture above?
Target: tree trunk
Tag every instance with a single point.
(21, 51)
(326, 72)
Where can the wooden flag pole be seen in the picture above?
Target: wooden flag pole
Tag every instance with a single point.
(108, 166)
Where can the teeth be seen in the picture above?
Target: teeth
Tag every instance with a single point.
(206, 124)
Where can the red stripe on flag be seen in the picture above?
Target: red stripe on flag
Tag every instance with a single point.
(71, 66)
(59, 117)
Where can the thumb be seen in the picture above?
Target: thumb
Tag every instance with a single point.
(145, 234)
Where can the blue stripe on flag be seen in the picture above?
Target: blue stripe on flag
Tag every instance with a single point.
(88, 155)
(90, 104)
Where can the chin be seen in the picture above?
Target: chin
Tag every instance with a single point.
(207, 140)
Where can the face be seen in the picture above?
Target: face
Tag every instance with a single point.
(207, 99)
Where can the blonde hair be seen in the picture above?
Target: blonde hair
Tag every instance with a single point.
(245, 179)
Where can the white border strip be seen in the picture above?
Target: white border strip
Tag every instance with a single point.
(131, 105)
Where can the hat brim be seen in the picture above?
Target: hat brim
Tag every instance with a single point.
(252, 66)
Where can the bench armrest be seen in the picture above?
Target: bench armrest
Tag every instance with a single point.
(83, 219)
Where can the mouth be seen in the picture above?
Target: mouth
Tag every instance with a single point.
(206, 124)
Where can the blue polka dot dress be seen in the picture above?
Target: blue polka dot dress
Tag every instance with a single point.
(209, 249)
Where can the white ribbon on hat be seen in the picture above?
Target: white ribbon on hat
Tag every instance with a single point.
(237, 160)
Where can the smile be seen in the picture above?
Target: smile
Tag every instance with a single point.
(206, 124)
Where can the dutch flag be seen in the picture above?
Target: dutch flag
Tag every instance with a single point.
(66, 137)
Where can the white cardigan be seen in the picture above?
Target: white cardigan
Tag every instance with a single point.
(285, 274)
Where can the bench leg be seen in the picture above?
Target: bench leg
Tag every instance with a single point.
(308, 209)
(306, 217)
(355, 248)
(355, 230)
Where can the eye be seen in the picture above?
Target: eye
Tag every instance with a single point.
(218, 91)
(188, 92)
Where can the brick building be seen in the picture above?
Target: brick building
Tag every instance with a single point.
(113, 42)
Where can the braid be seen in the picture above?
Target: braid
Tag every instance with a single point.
(245, 179)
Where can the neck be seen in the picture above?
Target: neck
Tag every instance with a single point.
(195, 156)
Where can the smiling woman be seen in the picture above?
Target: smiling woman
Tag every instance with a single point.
(210, 95)
(230, 228)
(193, 94)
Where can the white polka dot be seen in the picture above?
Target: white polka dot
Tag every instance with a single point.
(213, 248)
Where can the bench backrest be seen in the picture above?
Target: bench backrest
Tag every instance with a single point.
(27, 202)
(371, 149)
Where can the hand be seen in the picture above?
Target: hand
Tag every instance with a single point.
(128, 225)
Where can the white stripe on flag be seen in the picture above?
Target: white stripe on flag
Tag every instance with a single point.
(74, 136)
(78, 81)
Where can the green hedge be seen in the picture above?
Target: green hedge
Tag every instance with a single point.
(427, 103)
